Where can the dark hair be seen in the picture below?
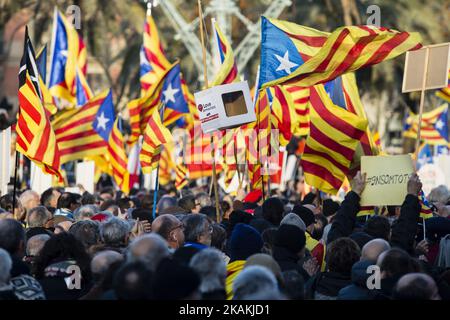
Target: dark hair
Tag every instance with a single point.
(397, 262)
(11, 235)
(87, 232)
(238, 216)
(108, 190)
(142, 214)
(87, 198)
(218, 237)
(341, 255)
(378, 227)
(225, 206)
(6, 202)
(147, 202)
(67, 199)
(272, 210)
(124, 203)
(268, 237)
(317, 233)
(293, 286)
(210, 212)
(133, 281)
(47, 196)
(309, 198)
(187, 203)
(63, 246)
(106, 204)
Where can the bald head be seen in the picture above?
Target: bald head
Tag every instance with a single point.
(103, 260)
(416, 286)
(372, 249)
(29, 199)
(163, 224)
(149, 248)
(36, 243)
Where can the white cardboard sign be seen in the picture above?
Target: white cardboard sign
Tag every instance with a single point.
(39, 181)
(5, 160)
(225, 106)
(85, 175)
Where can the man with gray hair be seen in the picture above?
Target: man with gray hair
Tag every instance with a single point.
(29, 199)
(102, 261)
(38, 219)
(6, 289)
(295, 220)
(197, 231)
(114, 234)
(254, 280)
(35, 244)
(148, 248)
(211, 268)
(85, 212)
(203, 199)
(372, 249)
(87, 232)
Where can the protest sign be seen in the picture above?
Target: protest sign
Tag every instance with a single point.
(387, 178)
(85, 175)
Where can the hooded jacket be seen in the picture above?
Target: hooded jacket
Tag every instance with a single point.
(358, 290)
(326, 285)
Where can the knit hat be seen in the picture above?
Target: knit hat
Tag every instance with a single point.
(290, 237)
(174, 281)
(330, 207)
(304, 213)
(244, 242)
(294, 220)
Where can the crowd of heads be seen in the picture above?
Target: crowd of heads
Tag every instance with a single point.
(108, 246)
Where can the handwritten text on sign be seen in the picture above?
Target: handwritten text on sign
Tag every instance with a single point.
(386, 180)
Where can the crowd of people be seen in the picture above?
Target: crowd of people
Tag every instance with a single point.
(107, 246)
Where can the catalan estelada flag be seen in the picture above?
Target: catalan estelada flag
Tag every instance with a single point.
(346, 49)
(83, 132)
(175, 104)
(331, 144)
(156, 134)
(35, 136)
(426, 211)
(67, 79)
(434, 127)
(46, 97)
(444, 93)
(154, 63)
(118, 157)
(228, 72)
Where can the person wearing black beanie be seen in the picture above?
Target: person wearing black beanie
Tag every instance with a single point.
(329, 208)
(273, 210)
(289, 248)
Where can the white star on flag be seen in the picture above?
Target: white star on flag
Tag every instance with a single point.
(102, 121)
(285, 64)
(169, 94)
(439, 124)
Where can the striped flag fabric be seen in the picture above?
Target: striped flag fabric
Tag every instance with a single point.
(153, 62)
(156, 134)
(175, 103)
(300, 97)
(118, 157)
(426, 211)
(228, 72)
(444, 93)
(166, 164)
(68, 63)
(76, 129)
(35, 136)
(366, 211)
(434, 127)
(181, 176)
(331, 144)
(347, 49)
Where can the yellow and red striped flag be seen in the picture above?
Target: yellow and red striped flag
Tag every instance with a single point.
(346, 49)
(154, 63)
(118, 157)
(331, 144)
(181, 176)
(444, 93)
(35, 136)
(156, 134)
(75, 132)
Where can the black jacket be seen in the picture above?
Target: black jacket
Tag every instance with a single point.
(326, 285)
(405, 227)
(358, 290)
(288, 261)
(345, 219)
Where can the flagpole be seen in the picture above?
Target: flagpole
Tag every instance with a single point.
(205, 75)
(15, 183)
(155, 192)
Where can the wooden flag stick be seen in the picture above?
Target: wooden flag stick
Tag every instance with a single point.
(205, 75)
(422, 99)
